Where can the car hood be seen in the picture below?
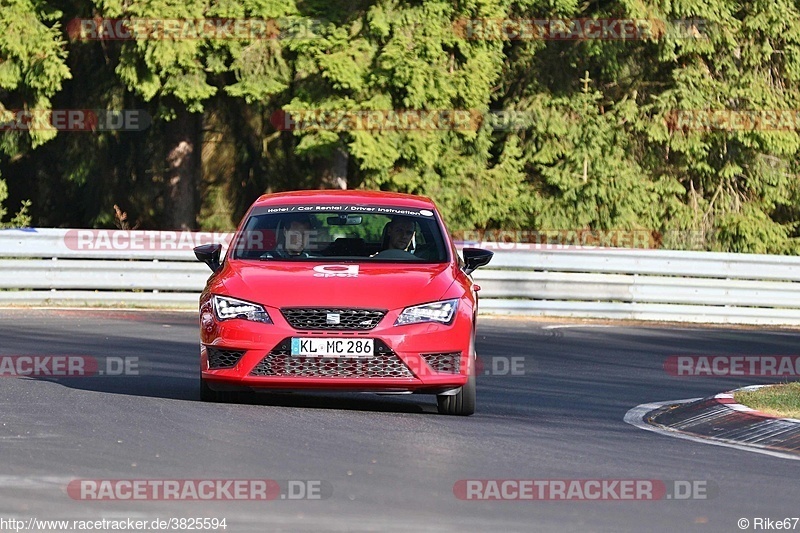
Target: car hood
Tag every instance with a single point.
(375, 285)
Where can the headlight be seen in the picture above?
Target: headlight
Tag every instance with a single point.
(442, 312)
(226, 307)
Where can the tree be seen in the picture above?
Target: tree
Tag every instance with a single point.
(739, 59)
(32, 69)
(173, 70)
(560, 134)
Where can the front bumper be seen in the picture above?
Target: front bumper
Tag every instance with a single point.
(427, 358)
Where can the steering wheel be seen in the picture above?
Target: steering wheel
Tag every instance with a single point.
(394, 254)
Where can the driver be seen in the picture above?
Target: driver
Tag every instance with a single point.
(294, 238)
(400, 234)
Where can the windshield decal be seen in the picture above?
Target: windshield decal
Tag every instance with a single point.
(346, 208)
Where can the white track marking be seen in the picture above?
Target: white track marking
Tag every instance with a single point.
(635, 417)
(565, 326)
(34, 482)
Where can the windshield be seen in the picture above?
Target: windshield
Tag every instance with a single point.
(361, 233)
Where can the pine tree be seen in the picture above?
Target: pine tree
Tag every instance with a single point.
(32, 69)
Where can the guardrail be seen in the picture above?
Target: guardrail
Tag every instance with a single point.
(130, 268)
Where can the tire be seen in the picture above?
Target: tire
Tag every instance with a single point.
(460, 404)
(207, 394)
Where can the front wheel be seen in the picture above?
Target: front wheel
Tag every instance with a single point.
(207, 394)
(461, 403)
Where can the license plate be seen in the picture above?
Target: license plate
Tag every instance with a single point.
(344, 348)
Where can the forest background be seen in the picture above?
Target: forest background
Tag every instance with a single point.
(679, 117)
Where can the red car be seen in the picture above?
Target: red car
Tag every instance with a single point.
(341, 291)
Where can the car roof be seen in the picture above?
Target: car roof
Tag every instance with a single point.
(394, 199)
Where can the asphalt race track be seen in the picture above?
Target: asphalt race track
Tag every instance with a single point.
(387, 463)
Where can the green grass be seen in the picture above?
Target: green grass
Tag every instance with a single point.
(781, 400)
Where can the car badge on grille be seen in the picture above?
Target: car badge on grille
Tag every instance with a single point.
(365, 323)
(332, 318)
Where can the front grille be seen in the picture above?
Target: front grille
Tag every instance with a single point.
(384, 364)
(331, 318)
(222, 358)
(444, 362)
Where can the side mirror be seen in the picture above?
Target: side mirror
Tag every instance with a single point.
(475, 258)
(209, 254)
